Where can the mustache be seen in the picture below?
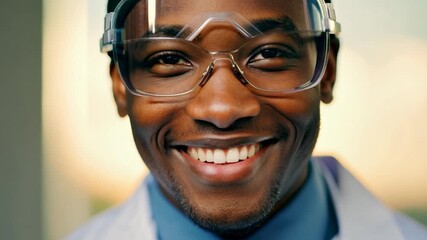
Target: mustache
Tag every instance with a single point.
(205, 128)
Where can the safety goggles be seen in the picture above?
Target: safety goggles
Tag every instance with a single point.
(172, 47)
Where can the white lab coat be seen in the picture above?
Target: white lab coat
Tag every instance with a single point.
(360, 215)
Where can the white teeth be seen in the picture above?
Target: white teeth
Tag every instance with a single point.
(209, 156)
(193, 153)
(243, 153)
(221, 156)
(251, 151)
(202, 155)
(233, 155)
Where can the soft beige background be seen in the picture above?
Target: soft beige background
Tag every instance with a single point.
(376, 126)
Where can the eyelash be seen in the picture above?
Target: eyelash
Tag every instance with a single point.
(157, 58)
(282, 51)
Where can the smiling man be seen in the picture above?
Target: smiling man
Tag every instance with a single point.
(223, 98)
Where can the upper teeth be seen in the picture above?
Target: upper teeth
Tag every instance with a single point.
(221, 156)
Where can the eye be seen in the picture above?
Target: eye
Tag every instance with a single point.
(267, 53)
(273, 58)
(171, 58)
(167, 64)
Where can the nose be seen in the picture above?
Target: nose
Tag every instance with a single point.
(223, 99)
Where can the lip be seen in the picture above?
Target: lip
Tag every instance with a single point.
(228, 174)
(220, 141)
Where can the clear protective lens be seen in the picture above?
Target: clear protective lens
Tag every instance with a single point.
(163, 66)
(168, 48)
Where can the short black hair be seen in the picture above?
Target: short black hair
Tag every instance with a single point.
(112, 4)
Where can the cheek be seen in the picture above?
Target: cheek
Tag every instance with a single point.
(146, 114)
(299, 108)
(150, 120)
(150, 115)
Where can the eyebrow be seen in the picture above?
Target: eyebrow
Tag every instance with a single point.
(284, 23)
(263, 25)
(166, 31)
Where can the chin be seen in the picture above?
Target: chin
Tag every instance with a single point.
(229, 224)
(227, 220)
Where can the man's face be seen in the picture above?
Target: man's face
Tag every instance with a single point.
(271, 137)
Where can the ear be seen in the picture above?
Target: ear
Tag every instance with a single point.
(119, 90)
(328, 80)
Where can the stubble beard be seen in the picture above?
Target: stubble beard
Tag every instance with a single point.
(231, 230)
(250, 223)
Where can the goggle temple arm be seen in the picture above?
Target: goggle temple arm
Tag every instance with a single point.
(106, 42)
(332, 26)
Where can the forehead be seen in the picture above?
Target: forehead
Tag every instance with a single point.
(241, 6)
(183, 12)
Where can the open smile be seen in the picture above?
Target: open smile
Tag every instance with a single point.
(225, 165)
(223, 156)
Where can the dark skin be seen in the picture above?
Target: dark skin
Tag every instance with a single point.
(231, 200)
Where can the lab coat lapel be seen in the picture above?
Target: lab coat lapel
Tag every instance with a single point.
(360, 215)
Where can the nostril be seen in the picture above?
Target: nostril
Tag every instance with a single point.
(222, 109)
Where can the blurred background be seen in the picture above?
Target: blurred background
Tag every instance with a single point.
(66, 155)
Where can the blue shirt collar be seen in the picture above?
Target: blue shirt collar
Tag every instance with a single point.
(309, 215)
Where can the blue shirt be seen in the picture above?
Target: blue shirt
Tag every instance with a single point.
(309, 215)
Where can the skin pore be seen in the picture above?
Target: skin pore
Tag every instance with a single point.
(231, 200)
